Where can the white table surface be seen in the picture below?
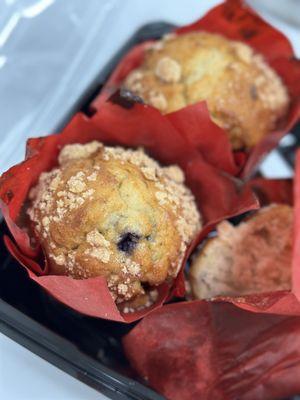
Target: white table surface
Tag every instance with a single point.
(23, 375)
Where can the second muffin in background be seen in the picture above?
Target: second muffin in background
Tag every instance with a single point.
(245, 96)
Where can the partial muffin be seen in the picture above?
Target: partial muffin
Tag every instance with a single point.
(116, 213)
(245, 96)
(252, 257)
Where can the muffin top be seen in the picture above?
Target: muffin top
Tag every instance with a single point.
(252, 257)
(244, 95)
(116, 213)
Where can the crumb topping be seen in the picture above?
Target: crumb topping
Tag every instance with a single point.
(95, 238)
(76, 183)
(60, 259)
(174, 173)
(102, 254)
(134, 81)
(149, 173)
(168, 70)
(244, 52)
(76, 151)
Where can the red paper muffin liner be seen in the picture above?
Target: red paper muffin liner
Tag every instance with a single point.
(235, 20)
(231, 348)
(210, 351)
(217, 196)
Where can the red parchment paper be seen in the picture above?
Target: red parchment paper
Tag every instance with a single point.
(216, 351)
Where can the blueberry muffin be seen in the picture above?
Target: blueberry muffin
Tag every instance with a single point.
(252, 257)
(244, 95)
(116, 213)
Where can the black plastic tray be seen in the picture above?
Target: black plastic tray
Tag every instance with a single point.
(88, 349)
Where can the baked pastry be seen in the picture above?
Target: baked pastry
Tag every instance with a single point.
(245, 96)
(116, 213)
(252, 257)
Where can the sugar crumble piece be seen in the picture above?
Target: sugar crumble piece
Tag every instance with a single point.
(133, 81)
(102, 254)
(162, 197)
(60, 259)
(95, 238)
(132, 267)
(76, 183)
(244, 52)
(174, 173)
(149, 173)
(92, 177)
(45, 221)
(122, 289)
(77, 151)
(88, 193)
(168, 70)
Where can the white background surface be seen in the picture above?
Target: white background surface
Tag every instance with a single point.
(40, 98)
(25, 376)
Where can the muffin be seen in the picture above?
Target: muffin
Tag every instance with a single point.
(115, 213)
(252, 257)
(245, 96)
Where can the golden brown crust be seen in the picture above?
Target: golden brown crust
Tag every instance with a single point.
(253, 257)
(244, 95)
(115, 213)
